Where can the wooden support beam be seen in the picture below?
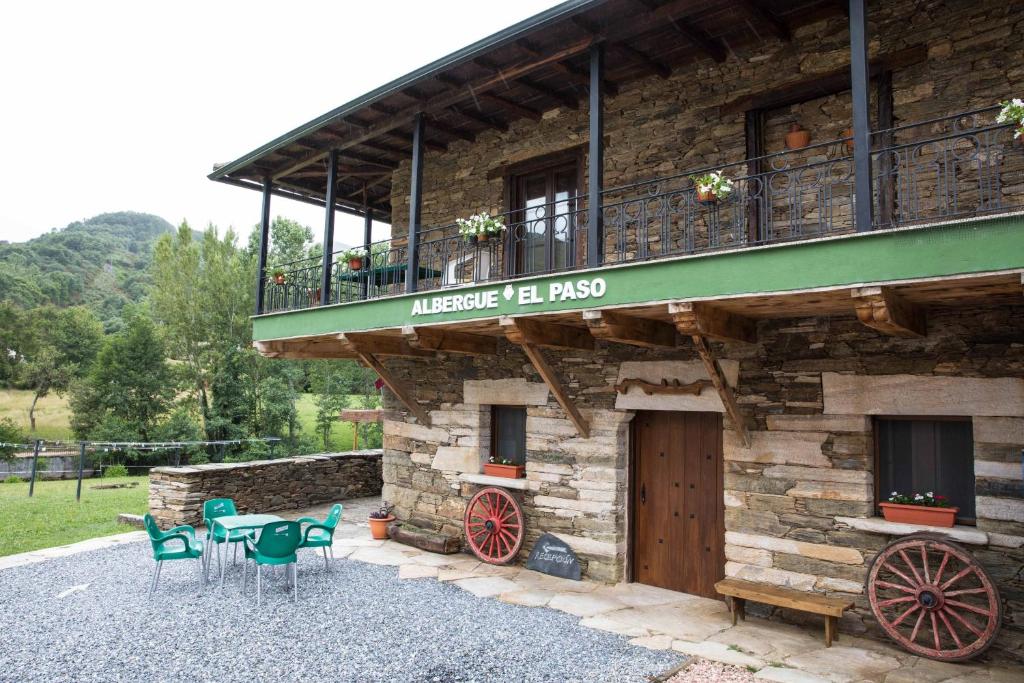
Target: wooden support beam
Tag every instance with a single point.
(435, 339)
(451, 131)
(547, 373)
(396, 388)
(482, 119)
(531, 331)
(625, 329)
(654, 66)
(882, 309)
(381, 345)
(717, 377)
(712, 47)
(705, 320)
(578, 76)
(511, 106)
(757, 11)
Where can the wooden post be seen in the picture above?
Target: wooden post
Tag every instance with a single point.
(330, 196)
(35, 463)
(859, 80)
(364, 285)
(415, 205)
(81, 466)
(595, 161)
(261, 268)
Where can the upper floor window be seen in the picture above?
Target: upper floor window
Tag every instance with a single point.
(508, 433)
(917, 456)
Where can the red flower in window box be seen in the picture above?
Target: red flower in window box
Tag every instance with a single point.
(919, 508)
(504, 468)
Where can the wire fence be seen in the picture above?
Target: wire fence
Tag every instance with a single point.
(78, 458)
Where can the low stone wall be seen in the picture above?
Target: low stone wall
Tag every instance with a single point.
(176, 494)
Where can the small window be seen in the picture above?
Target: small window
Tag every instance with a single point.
(927, 455)
(508, 433)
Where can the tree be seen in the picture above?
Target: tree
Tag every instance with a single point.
(330, 399)
(202, 297)
(130, 386)
(58, 346)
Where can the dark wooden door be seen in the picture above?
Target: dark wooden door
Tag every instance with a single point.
(679, 530)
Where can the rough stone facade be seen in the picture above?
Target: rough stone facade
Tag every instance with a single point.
(799, 503)
(176, 494)
(662, 127)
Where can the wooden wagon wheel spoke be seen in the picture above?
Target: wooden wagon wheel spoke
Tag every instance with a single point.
(959, 603)
(494, 525)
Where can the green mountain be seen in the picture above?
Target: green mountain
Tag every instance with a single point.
(100, 262)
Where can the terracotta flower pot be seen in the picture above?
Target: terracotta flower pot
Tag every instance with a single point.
(848, 133)
(919, 514)
(708, 197)
(482, 237)
(379, 527)
(355, 263)
(797, 137)
(507, 471)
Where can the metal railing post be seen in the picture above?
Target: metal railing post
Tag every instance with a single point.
(81, 466)
(35, 463)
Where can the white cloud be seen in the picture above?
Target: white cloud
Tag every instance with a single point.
(112, 106)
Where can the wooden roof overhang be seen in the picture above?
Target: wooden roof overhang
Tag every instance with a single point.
(520, 72)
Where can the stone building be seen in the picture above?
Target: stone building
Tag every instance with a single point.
(696, 388)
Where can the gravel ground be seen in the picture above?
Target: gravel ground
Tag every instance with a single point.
(358, 623)
(704, 671)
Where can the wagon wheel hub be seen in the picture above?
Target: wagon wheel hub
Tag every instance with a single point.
(494, 525)
(934, 598)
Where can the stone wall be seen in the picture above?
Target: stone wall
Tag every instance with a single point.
(660, 127)
(176, 494)
(799, 502)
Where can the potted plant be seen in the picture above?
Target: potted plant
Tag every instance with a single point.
(1013, 112)
(919, 508)
(379, 520)
(278, 276)
(503, 467)
(479, 227)
(712, 186)
(355, 257)
(797, 137)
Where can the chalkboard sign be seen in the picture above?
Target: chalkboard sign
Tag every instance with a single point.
(552, 556)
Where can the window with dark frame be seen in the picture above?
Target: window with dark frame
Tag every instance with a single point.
(508, 434)
(920, 455)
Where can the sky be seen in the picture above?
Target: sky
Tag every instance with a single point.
(114, 106)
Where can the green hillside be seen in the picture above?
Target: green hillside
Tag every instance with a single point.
(101, 262)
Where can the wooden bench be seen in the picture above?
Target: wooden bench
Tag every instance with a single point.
(740, 591)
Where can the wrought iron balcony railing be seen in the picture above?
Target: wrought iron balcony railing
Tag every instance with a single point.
(931, 171)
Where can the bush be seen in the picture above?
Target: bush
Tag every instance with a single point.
(10, 433)
(115, 471)
(14, 479)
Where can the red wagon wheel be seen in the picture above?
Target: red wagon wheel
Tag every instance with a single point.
(933, 598)
(494, 525)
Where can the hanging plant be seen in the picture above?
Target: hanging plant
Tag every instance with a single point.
(278, 276)
(355, 257)
(1013, 112)
(479, 227)
(712, 186)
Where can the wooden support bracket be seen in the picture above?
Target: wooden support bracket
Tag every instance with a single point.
(626, 329)
(434, 339)
(882, 309)
(396, 388)
(525, 333)
(714, 371)
(381, 345)
(304, 349)
(538, 333)
(704, 320)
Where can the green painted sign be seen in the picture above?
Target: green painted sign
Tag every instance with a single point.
(884, 256)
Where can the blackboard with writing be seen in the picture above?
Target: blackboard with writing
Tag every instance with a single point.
(551, 555)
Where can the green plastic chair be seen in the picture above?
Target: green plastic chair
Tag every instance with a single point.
(321, 534)
(221, 507)
(277, 545)
(192, 548)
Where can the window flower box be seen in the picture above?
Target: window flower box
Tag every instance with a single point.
(919, 514)
(507, 471)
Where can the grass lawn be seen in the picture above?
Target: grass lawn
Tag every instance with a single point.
(341, 434)
(52, 516)
(52, 413)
